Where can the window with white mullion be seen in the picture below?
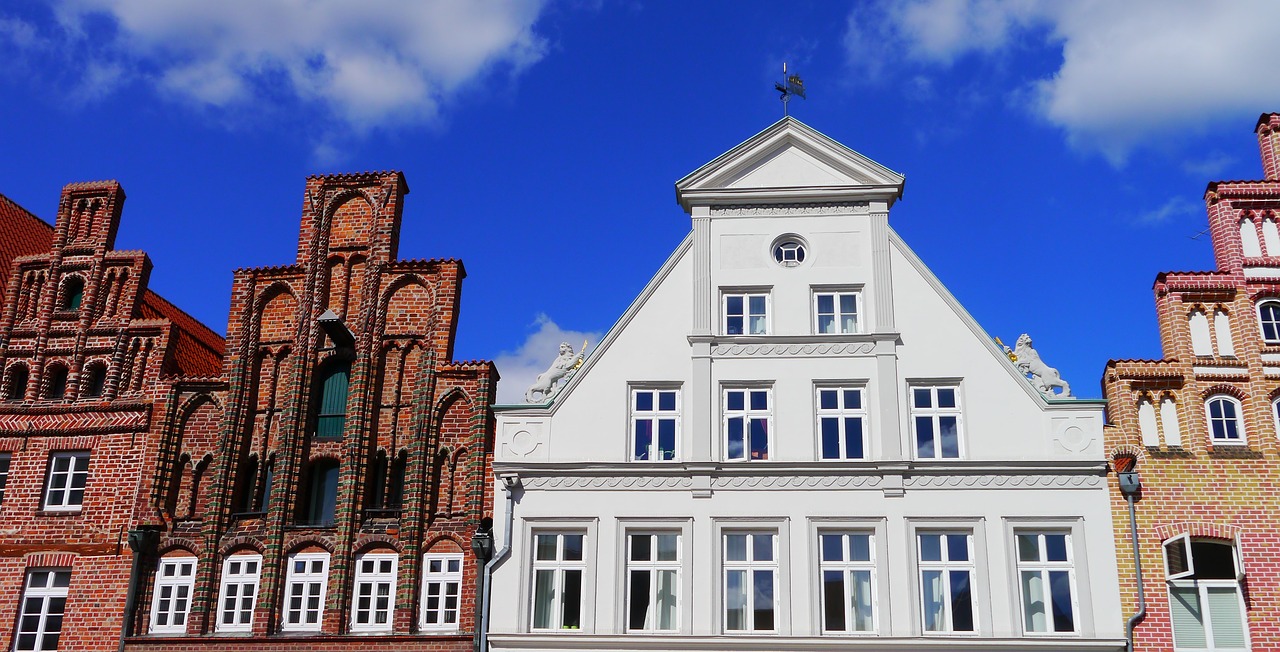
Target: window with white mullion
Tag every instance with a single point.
(64, 485)
(1046, 581)
(1269, 321)
(653, 582)
(239, 592)
(848, 582)
(441, 586)
(558, 570)
(1223, 413)
(655, 424)
(936, 421)
(305, 584)
(1206, 603)
(748, 421)
(373, 599)
(750, 577)
(746, 314)
(841, 423)
(836, 312)
(946, 581)
(4, 473)
(44, 600)
(175, 579)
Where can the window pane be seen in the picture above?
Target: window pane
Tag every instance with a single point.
(573, 547)
(666, 606)
(957, 547)
(667, 401)
(828, 399)
(758, 325)
(572, 604)
(848, 304)
(644, 401)
(543, 591)
(667, 546)
(921, 398)
(1064, 618)
(1055, 546)
(826, 324)
(853, 399)
(640, 547)
(735, 547)
(763, 599)
(733, 305)
(830, 438)
(826, 304)
(931, 600)
(853, 438)
(759, 439)
(639, 599)
(961, 602)
(1028, 547)
(735, 400)
(759, 400)
(924, 436)
(666, 439)
(1225, 618)
(735, 600)
(644, 439)
(756, 304)
(762, 547)
(860, 586)
(1033, 607)
(1188, 620)
(736, 449)
(832, 547)
(545, 547)
(860, 547)
(931, 547)
(946, 397)
(949, 433)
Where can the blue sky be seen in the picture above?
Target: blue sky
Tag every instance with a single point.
(1055, 153)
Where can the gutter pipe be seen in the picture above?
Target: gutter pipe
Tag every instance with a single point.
(1130, 486)
(510, 483)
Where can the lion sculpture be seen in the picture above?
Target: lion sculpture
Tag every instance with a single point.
(564, 365)
(1044, 377)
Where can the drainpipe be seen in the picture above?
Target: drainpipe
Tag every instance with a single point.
(510, 483)
(1130, 486)
(142, 542)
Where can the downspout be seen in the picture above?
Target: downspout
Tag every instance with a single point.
(1130, 486)
(510, 483)
(142, 542)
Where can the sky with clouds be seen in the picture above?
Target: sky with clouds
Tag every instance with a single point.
(1056, 153)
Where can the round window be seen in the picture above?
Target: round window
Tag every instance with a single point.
(789, 252)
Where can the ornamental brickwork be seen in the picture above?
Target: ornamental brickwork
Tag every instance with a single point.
(338, 427)
(1202, 425)
(85, 351)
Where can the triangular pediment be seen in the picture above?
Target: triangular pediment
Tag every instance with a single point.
(786, 162)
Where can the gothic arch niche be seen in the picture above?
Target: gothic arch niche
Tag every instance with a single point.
(408, 308)
(439, 468)
(16, 379)
(277, 316)
(351, 223)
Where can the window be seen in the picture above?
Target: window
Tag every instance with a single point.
(16, 390)
(64, 486)
(72, 293)
(4, 473)
(935, 415)
(653, 582)
(43, 600)
(1205, 602)
(441, 583)
(848, 582)
(239, 591)
(317, 506)
(747, 422)
(655, 424)
(746, 314)
(56, 386)
(1046, 580)
(789, 252)
(836, 312)
(1224, 420)
(95, 380)
(841, 416)
(750, 573)
(175, 579)
(558, 568)
(331, 399)
(946, 581)
(375, 590)
(1269, 320)
(304, 591)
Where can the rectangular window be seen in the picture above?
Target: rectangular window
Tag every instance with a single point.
(750, 575)
(748, 418)
(558, 570)
(4, 473)
(441, 585)
(841, 417)
(946, 581)
(1206, 606)
(175, 580)
(374, 597)
(238, 593)
(1046, 580)
(653, 582)
(848, 582)
(746, 314)
(836, 312)
(935, 416)
(64, 486)
(305, 584)
(44, 598)
(655, 424)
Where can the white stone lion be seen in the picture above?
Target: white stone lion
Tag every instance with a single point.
(1044, 377)
(544, 386)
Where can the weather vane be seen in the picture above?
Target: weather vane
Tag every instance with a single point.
(790, 85)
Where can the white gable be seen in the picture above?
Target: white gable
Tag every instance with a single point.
(787, 165)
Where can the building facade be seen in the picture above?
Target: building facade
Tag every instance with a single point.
(85, 350)
(796, 439)
(1200, 427)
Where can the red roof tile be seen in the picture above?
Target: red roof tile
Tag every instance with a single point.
(21, 234)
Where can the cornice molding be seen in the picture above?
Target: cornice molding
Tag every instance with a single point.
(813, 208)
(770, 643)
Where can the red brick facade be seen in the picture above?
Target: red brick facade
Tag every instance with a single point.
(1200, 476)
(243, 455)
(84, 347)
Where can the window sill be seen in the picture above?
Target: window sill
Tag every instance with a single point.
(59, 512)
(244, 516)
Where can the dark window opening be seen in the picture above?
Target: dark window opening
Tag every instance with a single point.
(317, 505)
(377, 485)
(395, 487)
(245, 479)
(95, 381)
(57, 386)
(17, 389)
(331, 400)
(268, 477)
(72, 293)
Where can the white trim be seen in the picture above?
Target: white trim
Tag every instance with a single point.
(1185, 541)
(1262, 331)
(449, 584)
(841, 413)
(935, 413)
(559, 567)
(655, 416)
(846, 566)
(1044, 567)
(303, 580)
(749, 567)
(65, 502)
(46, 593)
(748, 415)
(653, 566)
(746, 295)
(374, 581)
(178, 575)
(1241, 439)
(945, 567)
(837, 315)
(236, 573)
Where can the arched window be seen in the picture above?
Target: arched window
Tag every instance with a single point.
(56, 386)
(317, 505)
(1201, 342)
(1269, 320)
(72, 293)
(1224, 420)
(246, 477)
(395, 486)
(1205, 601)
(331, 399)
(268, 477)
(377, 483)
(1249, 238)
(94, 380)
(16, 390)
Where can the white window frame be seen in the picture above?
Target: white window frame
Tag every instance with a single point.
(935, 414)
(748, 416)
(375, 574)
(946, 566)
(441, 585)
(300, 584)
(653, 566)
(846, 567)
(5, 461)
(47, 594)
(1044, 567)
(841, 413)
(60, 485)
(654, 417)
(749, 567)
(837, 314)
(559, 568)
(175, 583)
(1186, 580)
(238, 585)
(1263, 322)
(746, 296)
(1241, 439)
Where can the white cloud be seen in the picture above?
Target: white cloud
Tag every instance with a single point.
(367, 63)
(1175, 207)
(521, 367)
(1131, 72)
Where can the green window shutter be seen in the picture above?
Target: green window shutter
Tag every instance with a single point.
(1224, 616)
(1187, 616)
(331, 415)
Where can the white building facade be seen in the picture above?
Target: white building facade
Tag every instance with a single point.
(796, 439)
